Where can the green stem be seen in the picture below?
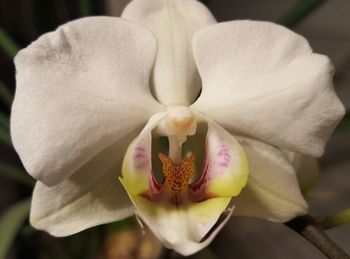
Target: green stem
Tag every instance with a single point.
(307, 227)
(8, 45)
(338, 219)
(16, 174)
(5, 94)
(300, 12)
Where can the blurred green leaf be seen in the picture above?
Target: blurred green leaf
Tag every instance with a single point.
(5, 94)
(4, 121)
(338, 219)
(127, 223)
(84, 8)
(93, 240)
(300, 12)
(15, 174)
(7, 44)
(345, 122)
(5, 137)
(206, 253)
(10, 224)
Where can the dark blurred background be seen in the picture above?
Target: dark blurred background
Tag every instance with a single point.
(326, 24)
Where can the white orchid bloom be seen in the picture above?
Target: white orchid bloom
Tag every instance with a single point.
(87, 90)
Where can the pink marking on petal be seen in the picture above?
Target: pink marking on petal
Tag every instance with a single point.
(223, 164)
(142, 165)
(139, 155)
(202, 178)
(155, 191)
(141, 149)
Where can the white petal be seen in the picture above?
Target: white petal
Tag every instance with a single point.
(175, 77)
(306, 168)
(80, 89)
(182, 229)
(272, 191)
(92, 196)
(262, 80)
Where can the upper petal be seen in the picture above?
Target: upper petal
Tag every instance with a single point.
(263, 80)
(80, 89)
(175, 79)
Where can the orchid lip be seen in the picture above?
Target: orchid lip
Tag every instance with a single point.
(224, 171)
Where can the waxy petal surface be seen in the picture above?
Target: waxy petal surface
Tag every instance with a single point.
(182, 229)
(175, 79)
(80, 89)
(263, 80)
(91, 196)
(306, 168)
(273, 191)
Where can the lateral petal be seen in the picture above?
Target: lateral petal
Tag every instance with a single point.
(263, 80)
(80, 89)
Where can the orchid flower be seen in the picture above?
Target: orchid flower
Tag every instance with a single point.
(199, 121)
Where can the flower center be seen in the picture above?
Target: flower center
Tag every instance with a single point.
(177, 176)
(180, 123)
(178, 171)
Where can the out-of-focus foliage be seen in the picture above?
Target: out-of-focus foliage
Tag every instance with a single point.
(10, 224)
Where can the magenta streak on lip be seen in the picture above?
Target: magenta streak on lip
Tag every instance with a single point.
(142, 162)
(222, 162)
(202, 180)
(223, 155)
(141, 159)
(141, 149)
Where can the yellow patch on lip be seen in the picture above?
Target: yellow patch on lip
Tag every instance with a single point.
(178, 175)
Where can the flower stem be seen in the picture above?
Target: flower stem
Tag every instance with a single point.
(311, 231)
